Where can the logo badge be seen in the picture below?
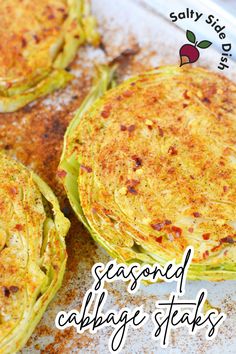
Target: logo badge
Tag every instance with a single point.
(189, 53)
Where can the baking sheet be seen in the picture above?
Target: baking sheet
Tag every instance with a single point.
(35, 136)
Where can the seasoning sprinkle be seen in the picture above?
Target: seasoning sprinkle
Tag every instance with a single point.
(157, 227)
(206, 236)
(227, 239)
(6, 291)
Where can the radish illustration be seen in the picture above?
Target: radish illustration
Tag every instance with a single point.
(189, 53)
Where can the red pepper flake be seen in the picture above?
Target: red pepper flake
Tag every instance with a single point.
(167, 222)
(206, 236)
(186, 94)
(106, 211)
(86, 168)
(177, 230)
(227, 239)
(19, 227)
(6, 291)
(131, 128)
(106, 111)
(196, 214)
(138, 161)
(157, 227)
(61, 173)
(225, 189)
(206, 254)
(215, 248)
(9, 84)
(171, 170)
(158, 239)
(161, 133)
(226, 151)
(132, 182)
(36, 38)
(13, 289)
(192, 177)
(132, 190)
(206, 100)
(23, 42)
(128, 93)
(13, 191)
(172, 150)
(191, 229)
(123, 128)
(51, 17)
(222, 163)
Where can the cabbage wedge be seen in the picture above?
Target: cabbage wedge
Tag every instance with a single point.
(149, 168)
(39, 39)
(32, 252)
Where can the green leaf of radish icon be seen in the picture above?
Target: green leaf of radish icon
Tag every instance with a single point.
(204, 44)
(188, 54)
(190, 36)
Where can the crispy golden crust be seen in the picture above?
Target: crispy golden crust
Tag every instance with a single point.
(157, 169)
(32, 252)
(34, 135)
(28, 30)
(20, 203)
(39, 39)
